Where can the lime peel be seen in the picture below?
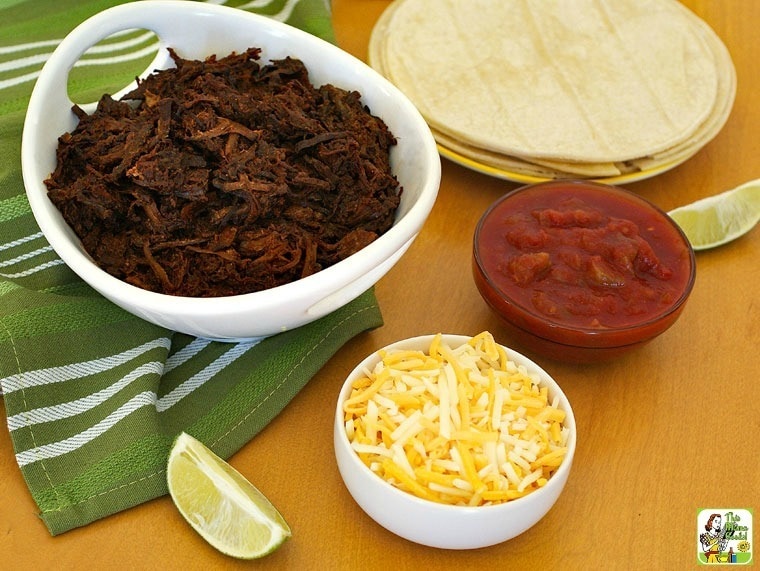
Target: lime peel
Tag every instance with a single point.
(218, 502)
(719, 219)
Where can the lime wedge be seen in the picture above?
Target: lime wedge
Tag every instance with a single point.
(220, 504)
(718, 219)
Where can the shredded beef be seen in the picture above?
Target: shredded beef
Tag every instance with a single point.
(225, 176)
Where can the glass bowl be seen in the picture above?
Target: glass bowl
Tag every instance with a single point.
(581, 271)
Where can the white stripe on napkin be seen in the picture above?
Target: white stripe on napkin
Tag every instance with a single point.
(27, 256)
(200, 378)
(54, 449)
(282, 15)
(75, 407)
(20, 241)
(39, 59)
(186, 353)
(33, 270)
(145, 398)
(77, 370)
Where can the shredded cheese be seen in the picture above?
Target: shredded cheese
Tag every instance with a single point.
(456, 425)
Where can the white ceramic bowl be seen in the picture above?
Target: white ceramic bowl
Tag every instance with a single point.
(439, 525)
(197, 30)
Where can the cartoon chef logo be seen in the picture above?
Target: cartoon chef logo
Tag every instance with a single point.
(724, 536)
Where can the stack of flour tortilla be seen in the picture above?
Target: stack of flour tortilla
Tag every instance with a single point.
(559, 88)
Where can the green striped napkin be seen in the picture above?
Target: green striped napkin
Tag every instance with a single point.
(94, 396)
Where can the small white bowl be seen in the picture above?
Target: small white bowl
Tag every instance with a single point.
(197, 30)
(439, 525)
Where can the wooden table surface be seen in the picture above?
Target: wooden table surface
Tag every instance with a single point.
(663, 432)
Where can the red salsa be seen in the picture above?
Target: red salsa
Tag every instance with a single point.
(584, 256)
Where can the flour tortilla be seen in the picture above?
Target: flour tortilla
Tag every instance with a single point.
(516, 167)
(589, 84)
(723, 102)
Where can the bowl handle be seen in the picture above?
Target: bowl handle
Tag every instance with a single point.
(170, 20)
